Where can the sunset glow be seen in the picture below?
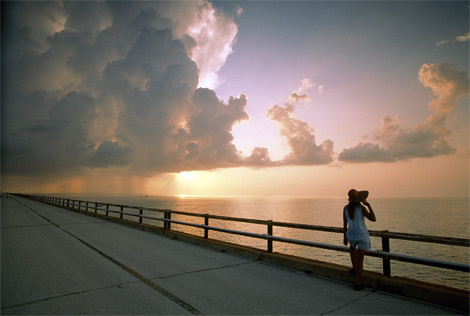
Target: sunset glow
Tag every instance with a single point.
(236, 98)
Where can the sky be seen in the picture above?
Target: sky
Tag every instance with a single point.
(236, 98)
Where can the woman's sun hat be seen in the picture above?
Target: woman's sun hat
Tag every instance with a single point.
(357, 196)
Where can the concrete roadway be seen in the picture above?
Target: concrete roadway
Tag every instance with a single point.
(55, 261)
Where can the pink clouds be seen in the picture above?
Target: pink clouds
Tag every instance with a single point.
(447, 83)
(300, 95)
(428, 139)
(299, 136)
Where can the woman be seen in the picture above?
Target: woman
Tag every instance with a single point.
(355, 231)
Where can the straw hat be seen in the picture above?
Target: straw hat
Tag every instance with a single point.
(357, 196)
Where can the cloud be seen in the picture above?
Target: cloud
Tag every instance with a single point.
(428, 139)
(299, 136)
(115, 84)
(460, 38)
(214, 35)
(110, 154)
(443, 42)
(259, 158)
(127, 87)
(119, 85)
(463, 38)
(300, 95)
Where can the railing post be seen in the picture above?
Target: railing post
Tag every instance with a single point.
(122, 207)
(79, 205)
(68, 201)
(270, 233)
(107, 208)
(167, 224)
(141, 212)
(96, 207)
(386, 248)
(87, 206)
(206, 222)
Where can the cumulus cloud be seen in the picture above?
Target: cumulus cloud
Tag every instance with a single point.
(127, 85)
(300, 136)
(428, 139)
(115, 84)
(259, 158)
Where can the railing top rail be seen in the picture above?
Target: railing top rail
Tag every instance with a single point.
(374, 233)
(464, 242)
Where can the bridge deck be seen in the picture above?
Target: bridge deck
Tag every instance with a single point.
(55, 261)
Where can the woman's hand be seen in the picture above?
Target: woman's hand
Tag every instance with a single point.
(345, 241)
(370, 215)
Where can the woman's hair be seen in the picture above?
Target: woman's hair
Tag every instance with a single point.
(351, 207)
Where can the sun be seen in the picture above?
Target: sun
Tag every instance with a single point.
(187, 182)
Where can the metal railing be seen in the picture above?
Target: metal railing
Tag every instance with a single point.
(166, 219)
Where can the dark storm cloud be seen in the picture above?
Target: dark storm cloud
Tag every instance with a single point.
(103, 84)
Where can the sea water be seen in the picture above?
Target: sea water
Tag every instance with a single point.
(447, 217)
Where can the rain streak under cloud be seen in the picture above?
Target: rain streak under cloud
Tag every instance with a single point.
(91, 85)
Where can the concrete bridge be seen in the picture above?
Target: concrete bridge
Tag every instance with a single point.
(55, 261)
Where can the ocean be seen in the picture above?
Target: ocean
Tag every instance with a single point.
(447, 217)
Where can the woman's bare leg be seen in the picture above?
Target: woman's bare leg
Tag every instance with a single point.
(352, 253)
(359, 256)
